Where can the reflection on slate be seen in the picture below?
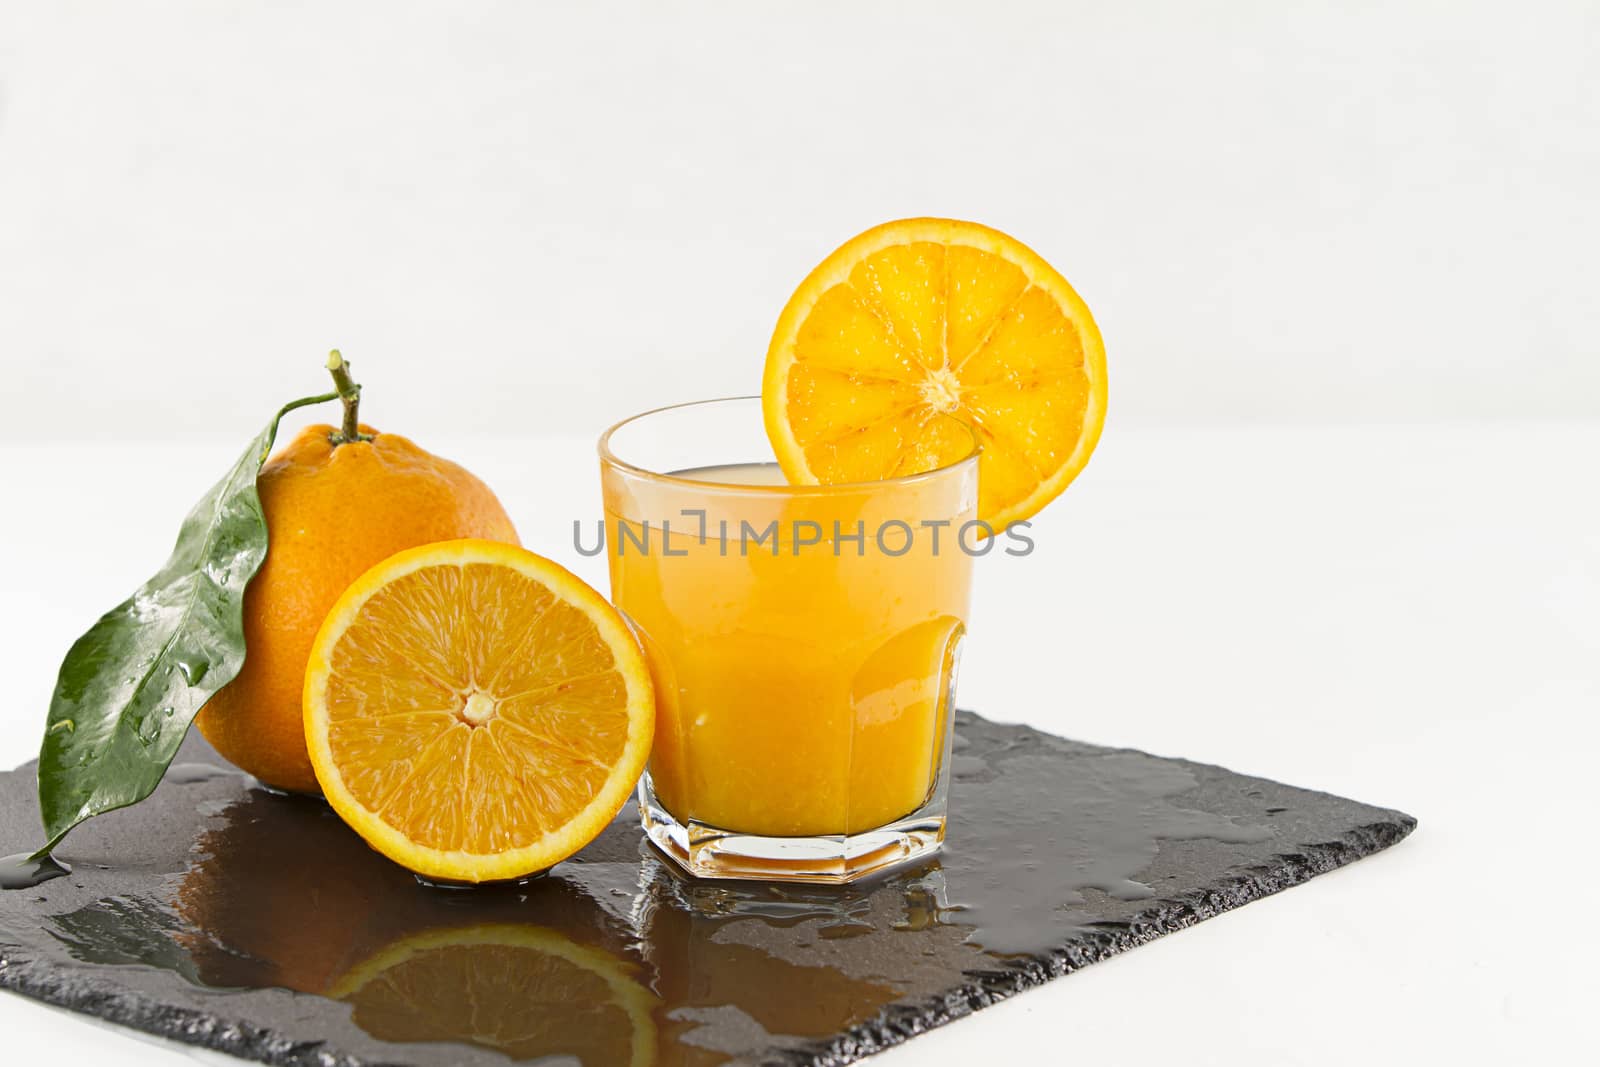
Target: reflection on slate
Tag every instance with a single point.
(207, 913)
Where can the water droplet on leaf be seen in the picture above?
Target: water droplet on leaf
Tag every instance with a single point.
(149, 729)
(193, 670)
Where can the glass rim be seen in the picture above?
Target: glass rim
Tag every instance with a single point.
(608, 456)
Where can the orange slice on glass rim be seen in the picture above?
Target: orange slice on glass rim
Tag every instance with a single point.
(918, 321)
(475, 712)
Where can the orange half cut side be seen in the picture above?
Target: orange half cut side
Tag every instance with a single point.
(476, 712)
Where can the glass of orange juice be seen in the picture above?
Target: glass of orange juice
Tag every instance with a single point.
(804, 642)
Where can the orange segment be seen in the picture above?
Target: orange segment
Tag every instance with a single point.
(918, 326)
(475, 712)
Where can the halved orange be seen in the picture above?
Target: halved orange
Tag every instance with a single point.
(524, 991)
(914, 322)
(475, 712)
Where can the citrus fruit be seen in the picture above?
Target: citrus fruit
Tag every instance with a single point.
(523, 991)
(919, 324)
(475, 712)
(335, 504)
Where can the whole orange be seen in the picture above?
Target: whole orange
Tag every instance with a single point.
(332, 511)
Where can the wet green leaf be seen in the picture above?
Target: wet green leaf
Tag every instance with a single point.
(130, 687)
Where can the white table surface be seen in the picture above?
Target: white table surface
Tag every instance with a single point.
(1409, 616)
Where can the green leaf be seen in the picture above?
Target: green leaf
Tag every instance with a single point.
(130, 687)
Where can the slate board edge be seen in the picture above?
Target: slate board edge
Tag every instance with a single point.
(187, 1026)
(893, 1026)
(900, 1022)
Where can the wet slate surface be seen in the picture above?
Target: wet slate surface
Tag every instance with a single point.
(220, 915)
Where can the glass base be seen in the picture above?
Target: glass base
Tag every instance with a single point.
(710, 852)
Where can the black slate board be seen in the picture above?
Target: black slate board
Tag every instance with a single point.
(220, 915)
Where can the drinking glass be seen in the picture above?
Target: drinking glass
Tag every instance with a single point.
(803, 641)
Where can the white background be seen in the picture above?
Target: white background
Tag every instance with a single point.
(1342, 528)
(1277, 213)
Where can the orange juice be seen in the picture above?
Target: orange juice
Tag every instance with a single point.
(803, 640)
